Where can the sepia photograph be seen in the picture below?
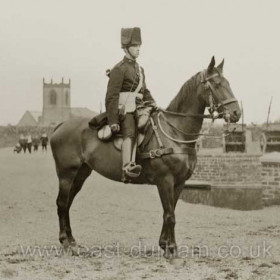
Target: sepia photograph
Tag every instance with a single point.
(139, 140)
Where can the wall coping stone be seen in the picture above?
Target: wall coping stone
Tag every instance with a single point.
(236, 187)
(231, 155)
(273, 157)
(197, 184)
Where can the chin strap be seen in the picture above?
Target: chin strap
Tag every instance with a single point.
(130, 53)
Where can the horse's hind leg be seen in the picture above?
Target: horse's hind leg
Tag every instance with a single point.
(70, 183)
(62, 201)
(78, 182)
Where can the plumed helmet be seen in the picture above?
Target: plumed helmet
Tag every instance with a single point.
(130, 36)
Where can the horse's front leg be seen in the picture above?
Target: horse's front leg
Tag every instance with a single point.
(167, 239)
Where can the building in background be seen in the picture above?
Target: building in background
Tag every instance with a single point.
(56, 102)
(30, 118)
(56, 107)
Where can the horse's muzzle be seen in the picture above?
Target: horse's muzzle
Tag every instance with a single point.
(233, 117)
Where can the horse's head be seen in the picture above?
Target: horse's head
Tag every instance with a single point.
(217, 94)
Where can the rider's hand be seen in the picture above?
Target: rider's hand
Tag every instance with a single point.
(154, 106)
(115, 128)
(151, 104)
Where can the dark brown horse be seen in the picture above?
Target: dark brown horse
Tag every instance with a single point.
(168, 158)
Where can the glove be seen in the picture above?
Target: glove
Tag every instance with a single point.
(115, 128)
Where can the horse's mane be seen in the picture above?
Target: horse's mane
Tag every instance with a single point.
(185, 93)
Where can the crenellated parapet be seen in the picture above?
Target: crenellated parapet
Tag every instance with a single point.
(62, 84)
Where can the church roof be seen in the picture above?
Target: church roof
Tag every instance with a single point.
(82, 112)
(30, 118)
(36, 114)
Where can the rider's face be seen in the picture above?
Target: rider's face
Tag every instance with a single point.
(135, 50)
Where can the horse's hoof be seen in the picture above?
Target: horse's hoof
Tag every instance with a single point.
(163, 245)
(173, 250)
(65, 243)
(75, 250)
(72, 242)
(167, 254)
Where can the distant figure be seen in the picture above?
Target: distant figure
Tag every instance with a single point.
(35, 142)
(44, 141)
(29, 142)
(17, 148)
(23, 142)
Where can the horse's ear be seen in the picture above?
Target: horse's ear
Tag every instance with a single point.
(211, 65)
(221, 65)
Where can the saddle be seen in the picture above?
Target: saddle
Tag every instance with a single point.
(100, 123)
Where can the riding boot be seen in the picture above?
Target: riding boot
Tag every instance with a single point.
(130, 169)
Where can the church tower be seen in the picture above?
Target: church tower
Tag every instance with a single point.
(56, 102)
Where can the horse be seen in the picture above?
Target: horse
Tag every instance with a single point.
(168, 157)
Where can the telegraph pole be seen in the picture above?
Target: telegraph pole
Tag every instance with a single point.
(242, 114)
(268, 112)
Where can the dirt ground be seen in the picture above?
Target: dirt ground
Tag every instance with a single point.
(117, 228)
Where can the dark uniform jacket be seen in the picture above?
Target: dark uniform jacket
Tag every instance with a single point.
(124, 77)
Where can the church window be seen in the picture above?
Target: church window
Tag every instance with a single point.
(53, 97)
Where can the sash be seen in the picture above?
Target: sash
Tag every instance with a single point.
(140, 80)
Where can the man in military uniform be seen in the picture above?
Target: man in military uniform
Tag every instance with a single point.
(127, 77)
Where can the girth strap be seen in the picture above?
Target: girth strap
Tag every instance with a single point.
(166, 151)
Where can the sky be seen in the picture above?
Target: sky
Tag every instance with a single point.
(80, 39)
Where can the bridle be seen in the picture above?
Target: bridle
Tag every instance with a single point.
(214, 107)
(213, 96)
(213, 110)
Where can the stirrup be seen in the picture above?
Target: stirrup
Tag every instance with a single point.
(125, 179)
(132, 170)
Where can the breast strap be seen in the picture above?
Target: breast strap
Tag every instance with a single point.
(161, 151)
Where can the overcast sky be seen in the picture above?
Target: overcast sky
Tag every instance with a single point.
(80, 39)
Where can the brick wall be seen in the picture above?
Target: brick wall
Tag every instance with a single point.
(271, 181)
(229, 170)
(236, 170)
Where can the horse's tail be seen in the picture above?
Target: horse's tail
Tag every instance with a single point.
(57, 127)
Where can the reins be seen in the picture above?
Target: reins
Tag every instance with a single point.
(186, 114)
(179, 130)
(170, 137)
